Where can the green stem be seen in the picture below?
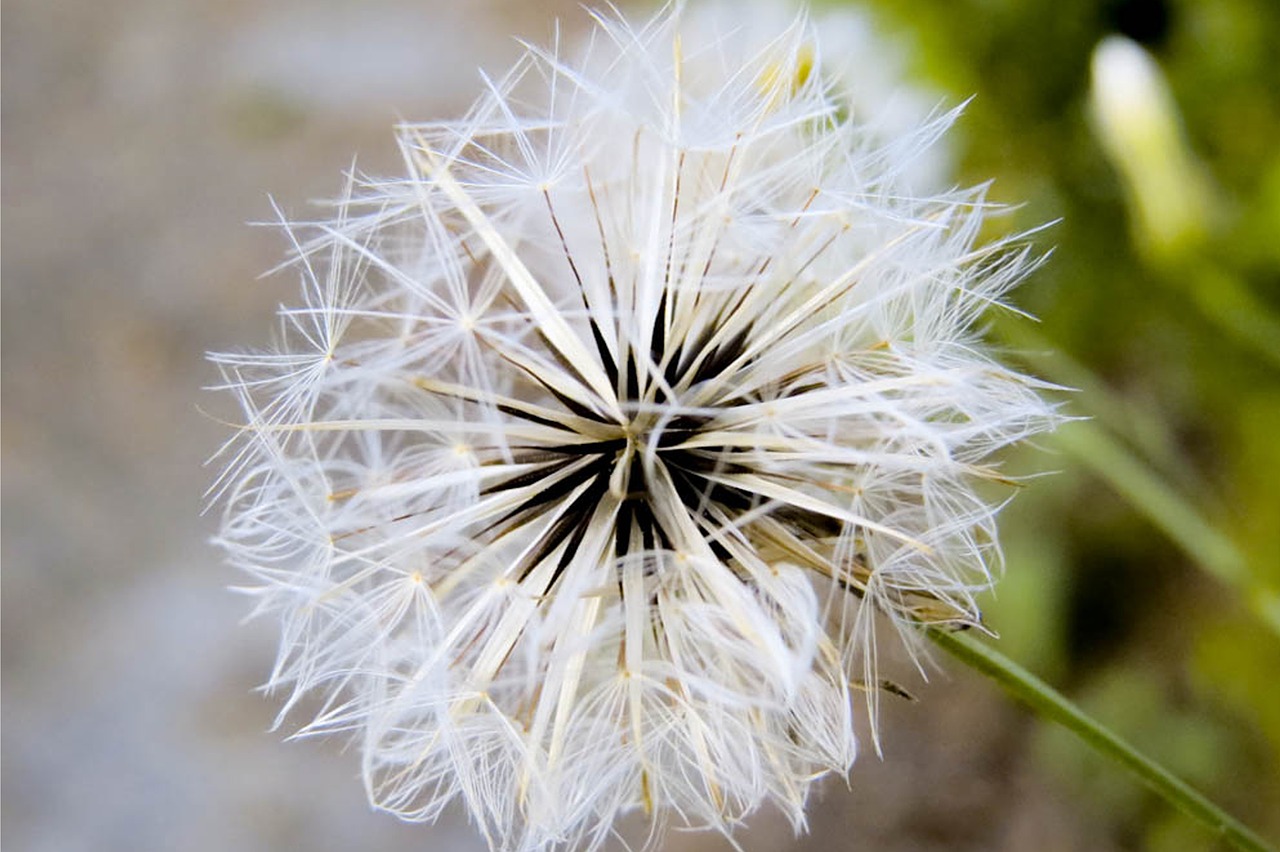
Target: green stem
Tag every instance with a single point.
(1174, 516)
(1050, 704)
(1144, 485)
(1229, 303)
(1138, 423)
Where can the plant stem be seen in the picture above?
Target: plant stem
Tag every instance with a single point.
(1050, 704)
(1175, 516)
(1132, 420)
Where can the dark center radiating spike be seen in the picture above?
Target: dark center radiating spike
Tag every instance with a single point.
(606, 357)
(569, 403)
(723, 355)
(633, 380)
(570, 527)
(658, 341)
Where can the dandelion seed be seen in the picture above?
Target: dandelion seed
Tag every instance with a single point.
(606, 431)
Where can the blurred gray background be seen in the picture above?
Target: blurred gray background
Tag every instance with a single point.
(139, 138)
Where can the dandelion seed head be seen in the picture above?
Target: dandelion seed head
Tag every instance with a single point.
(607, 432)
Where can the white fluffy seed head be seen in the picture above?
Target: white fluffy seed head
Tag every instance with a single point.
(603, 432)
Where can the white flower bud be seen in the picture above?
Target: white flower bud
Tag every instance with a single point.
(1138, 125)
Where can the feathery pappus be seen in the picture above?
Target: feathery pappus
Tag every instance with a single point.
(604, 435)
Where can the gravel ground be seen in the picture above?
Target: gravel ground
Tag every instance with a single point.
(139, 136)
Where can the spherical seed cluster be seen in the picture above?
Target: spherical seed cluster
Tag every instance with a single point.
(604, 432)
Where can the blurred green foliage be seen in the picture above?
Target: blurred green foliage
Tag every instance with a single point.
(1174, 351)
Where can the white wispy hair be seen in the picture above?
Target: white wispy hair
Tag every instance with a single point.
(604, 433)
